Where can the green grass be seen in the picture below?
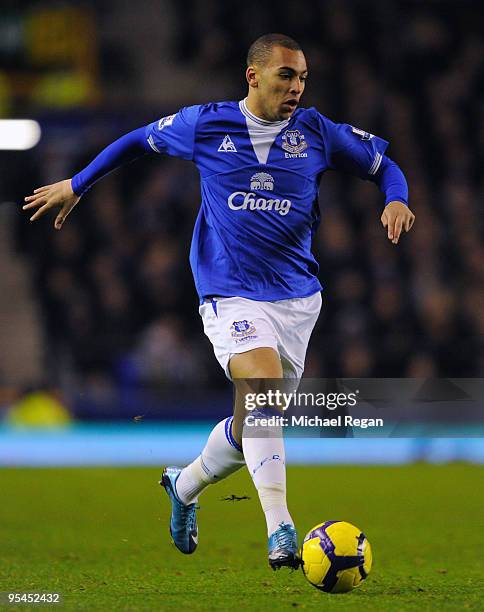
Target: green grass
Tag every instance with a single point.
(100, 537)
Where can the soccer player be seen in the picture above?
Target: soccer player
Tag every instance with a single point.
(260, 162)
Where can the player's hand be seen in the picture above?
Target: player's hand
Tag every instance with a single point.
(396, 217)
(45, 198)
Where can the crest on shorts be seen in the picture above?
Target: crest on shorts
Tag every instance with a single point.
(293, 141)
(241, 329)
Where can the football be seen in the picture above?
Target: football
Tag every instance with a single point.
(336, 557)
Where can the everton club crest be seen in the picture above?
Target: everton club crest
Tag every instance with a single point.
(294, 143)
(242, 329)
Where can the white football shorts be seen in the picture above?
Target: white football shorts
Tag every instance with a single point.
(236, 325)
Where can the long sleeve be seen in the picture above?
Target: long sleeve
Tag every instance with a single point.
(124, 150)
(391, 181)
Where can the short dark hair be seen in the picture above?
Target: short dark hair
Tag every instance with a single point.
(261, 49)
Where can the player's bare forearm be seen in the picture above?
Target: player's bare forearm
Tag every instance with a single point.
(50, 196)
(397, 217)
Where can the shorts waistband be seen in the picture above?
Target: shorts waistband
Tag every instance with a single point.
(210, 299)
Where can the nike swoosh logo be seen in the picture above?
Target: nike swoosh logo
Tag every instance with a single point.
(194, 537)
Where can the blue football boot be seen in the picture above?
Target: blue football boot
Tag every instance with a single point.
(183, 520)
(283, 550)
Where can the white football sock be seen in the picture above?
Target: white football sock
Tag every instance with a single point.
(221, 457)
(265, 459)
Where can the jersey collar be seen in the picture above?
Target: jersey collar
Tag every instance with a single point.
(245, 111)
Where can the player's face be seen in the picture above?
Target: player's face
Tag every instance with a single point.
(280, 84)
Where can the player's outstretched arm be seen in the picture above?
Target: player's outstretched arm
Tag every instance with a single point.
(51, 196)
(397, 217)
(67, 194)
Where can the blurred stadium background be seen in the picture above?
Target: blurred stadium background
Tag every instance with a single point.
(99, 331)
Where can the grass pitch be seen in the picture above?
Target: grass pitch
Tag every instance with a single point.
(100, 537)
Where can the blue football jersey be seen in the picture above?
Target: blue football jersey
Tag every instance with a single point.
(259, 186)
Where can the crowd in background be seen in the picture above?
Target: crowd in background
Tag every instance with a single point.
(117, 296)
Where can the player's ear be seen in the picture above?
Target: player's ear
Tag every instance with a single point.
(251, 76)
